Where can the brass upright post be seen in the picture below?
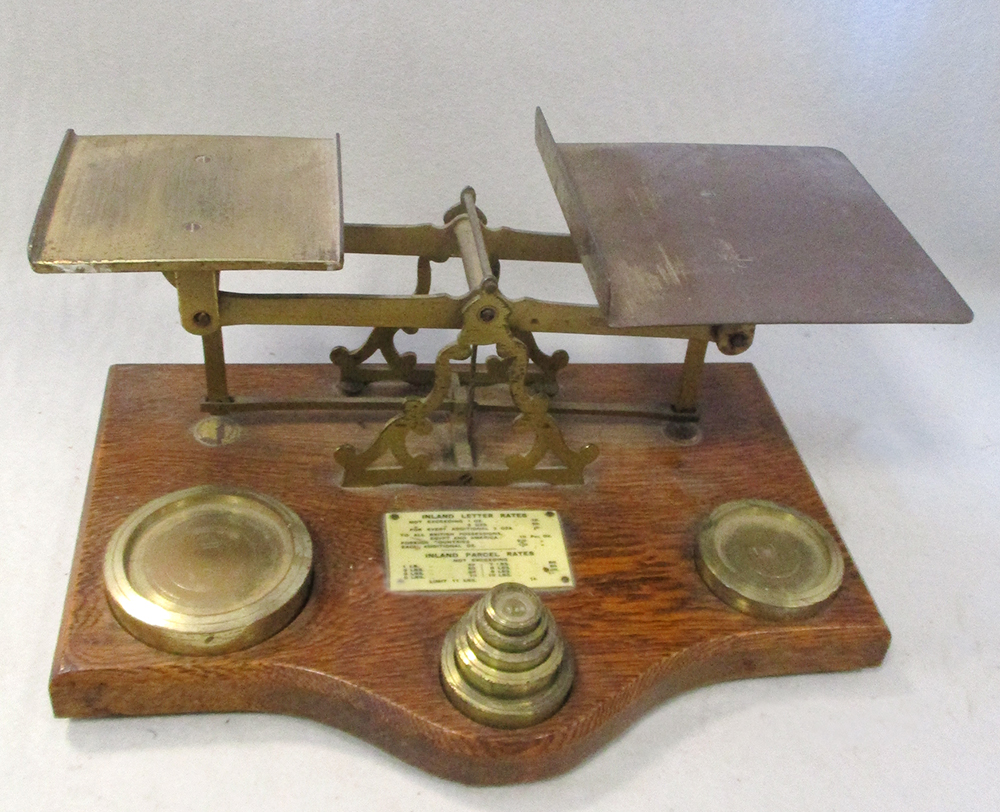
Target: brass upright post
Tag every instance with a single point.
(215, 367)
(686, 398)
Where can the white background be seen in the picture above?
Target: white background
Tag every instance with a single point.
(896, 423)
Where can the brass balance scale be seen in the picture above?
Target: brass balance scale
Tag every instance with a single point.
(488, 567)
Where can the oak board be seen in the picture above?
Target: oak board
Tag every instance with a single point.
(641, 622)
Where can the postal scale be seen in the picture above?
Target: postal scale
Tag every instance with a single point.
(491, 564)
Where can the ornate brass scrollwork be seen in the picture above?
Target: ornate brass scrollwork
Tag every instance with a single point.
(485, 322)
(401, 367)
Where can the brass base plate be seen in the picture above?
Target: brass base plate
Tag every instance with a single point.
(641, 623)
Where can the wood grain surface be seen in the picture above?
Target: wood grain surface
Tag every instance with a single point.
(641, 622)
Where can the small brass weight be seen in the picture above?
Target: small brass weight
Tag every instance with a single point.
(505, 663)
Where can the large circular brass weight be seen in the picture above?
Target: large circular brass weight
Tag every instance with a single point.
(768, 560)
(505, 663)
(208, 570)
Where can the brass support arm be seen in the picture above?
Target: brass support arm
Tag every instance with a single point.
(429, 311)
(437, 243)
(198, 301)
(341, 310)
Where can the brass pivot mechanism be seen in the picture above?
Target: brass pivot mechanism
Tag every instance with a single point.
(485, 317)
(505, 663)
(485, 321)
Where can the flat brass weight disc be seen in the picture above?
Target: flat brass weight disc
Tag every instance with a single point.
(208, 570)
(768, 560)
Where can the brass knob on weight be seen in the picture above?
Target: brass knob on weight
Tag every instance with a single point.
(505, 663)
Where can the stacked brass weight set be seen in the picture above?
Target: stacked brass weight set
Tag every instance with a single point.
(505, 664)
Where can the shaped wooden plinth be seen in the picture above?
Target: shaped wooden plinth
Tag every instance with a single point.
(642, 624)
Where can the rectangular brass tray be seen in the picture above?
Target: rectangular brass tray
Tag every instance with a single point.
(190, 202)
(721, 234)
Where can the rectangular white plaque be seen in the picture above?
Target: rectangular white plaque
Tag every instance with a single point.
(458, 550)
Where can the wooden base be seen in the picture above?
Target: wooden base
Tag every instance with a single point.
(642, 623)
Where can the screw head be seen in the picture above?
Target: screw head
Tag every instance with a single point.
(202, 319)
(487, 314)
